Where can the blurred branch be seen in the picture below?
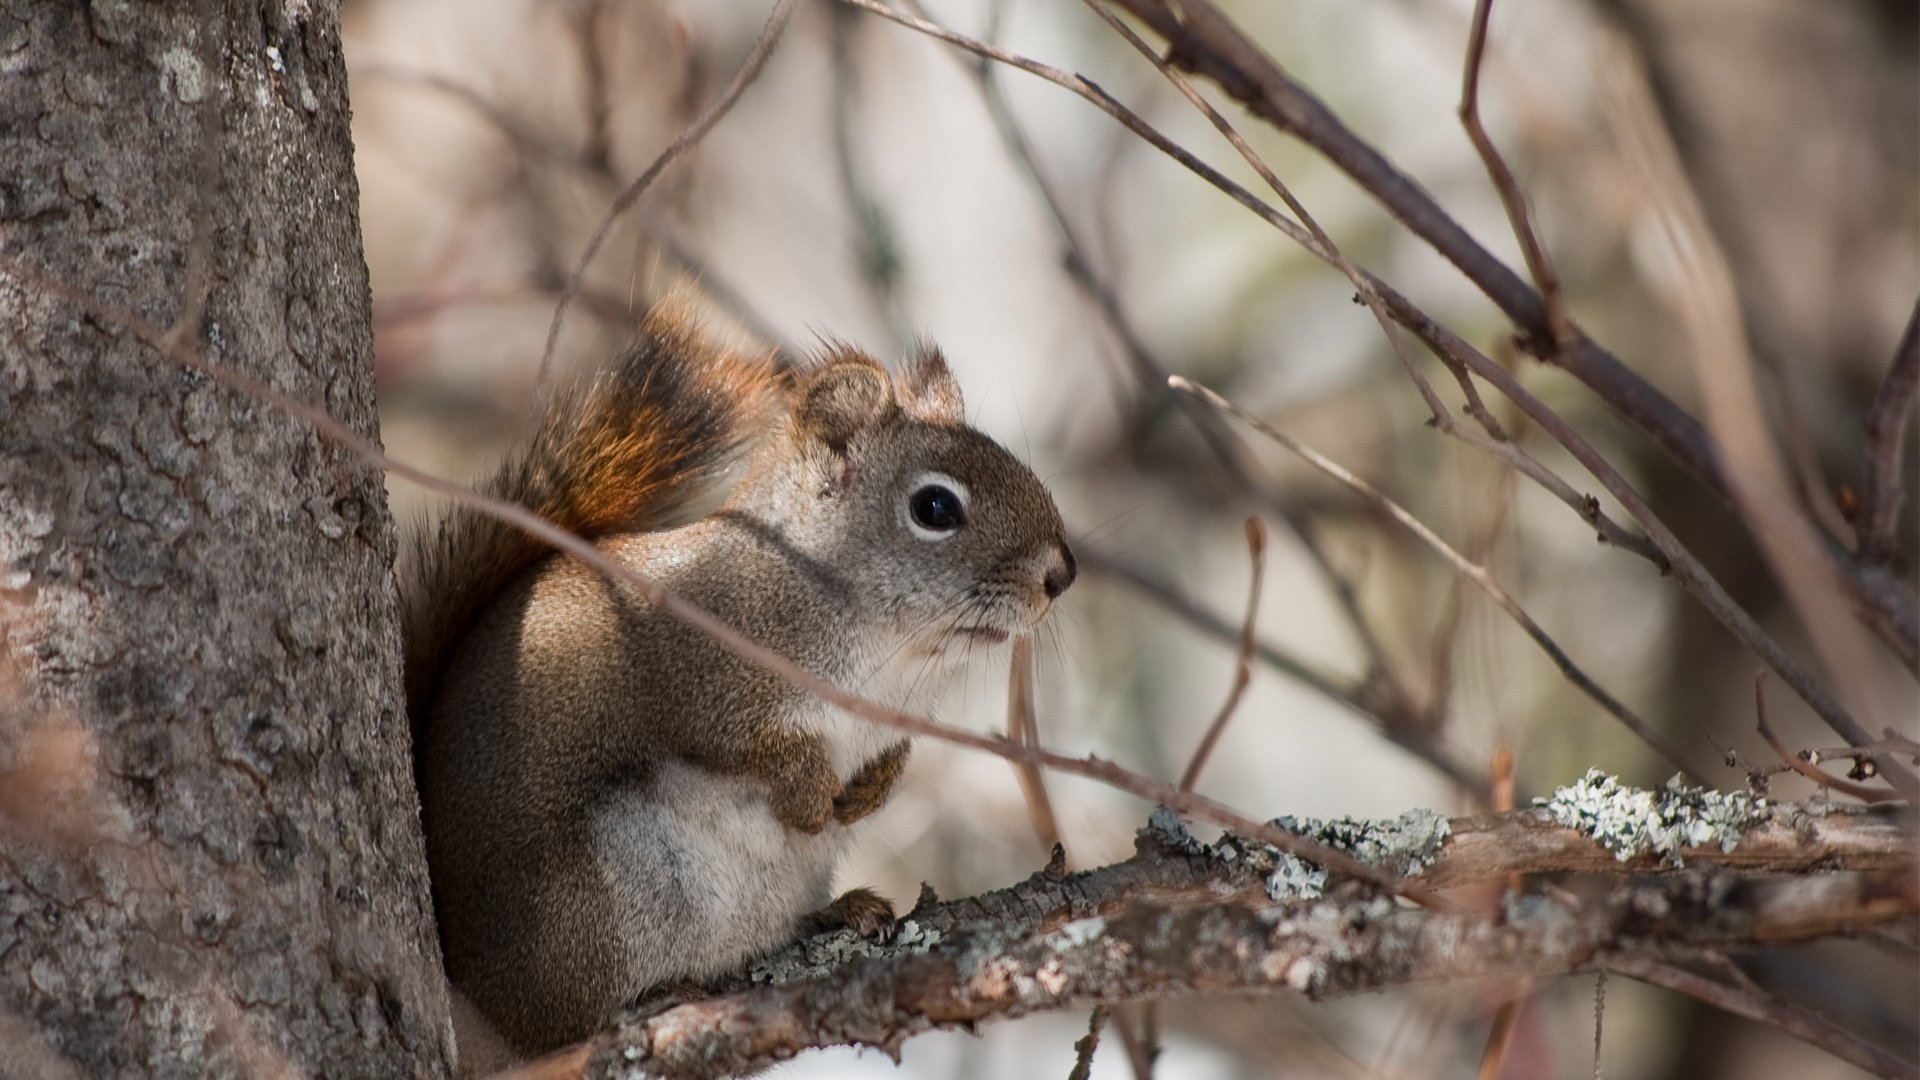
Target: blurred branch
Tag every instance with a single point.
(1204, 41)
(1243, 661)
(1878, 527)
(393, 310)
(875, 241)
(1699, 285)
(686, 140)
(593, 161)
(1151, 375)
(1179, 918)
(1559, 323)
(1754, 1005)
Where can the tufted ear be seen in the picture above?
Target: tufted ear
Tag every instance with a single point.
(928, 391)
(839, 401)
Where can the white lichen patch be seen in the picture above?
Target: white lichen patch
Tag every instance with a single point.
(1171, 832)
(1633, 821)
(182, 73)
(1403, 846)
(1293, 878)
(818, 954)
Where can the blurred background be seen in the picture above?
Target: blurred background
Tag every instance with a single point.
(876, 186)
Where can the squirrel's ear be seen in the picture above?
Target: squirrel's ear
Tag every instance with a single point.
(842, 400)
(928, 390)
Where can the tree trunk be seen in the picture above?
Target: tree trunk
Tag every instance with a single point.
(210, 860)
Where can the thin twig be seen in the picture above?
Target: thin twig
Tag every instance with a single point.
(1878, 529)
(1802, 766)
(1500, 1034)
(1023, 727)
(1473, 572)
(1376, 698)
(1801, 1024)
(1581, 503)
(1087, 1044)
(1243, 663)
(749, 70)
(1519, 217)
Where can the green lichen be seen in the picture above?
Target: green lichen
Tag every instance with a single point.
(1631, 822)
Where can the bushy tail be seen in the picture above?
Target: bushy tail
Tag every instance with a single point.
(623, 452)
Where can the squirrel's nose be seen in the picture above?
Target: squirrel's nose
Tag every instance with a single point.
(1061, 575)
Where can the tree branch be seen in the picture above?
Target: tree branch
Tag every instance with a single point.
(1181, 917)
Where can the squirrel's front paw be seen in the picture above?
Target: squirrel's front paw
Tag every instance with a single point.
(869, 788)
(861, 910)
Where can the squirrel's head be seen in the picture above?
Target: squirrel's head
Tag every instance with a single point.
(924, 518)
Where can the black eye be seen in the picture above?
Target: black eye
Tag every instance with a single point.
(937, 508)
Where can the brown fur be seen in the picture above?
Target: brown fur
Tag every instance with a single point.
(580, 752)
(623, 453)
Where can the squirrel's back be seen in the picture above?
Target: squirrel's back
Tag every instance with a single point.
(627, 451)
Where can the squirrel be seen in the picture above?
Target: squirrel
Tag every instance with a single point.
(616, 804)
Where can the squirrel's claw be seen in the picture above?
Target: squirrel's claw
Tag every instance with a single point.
(861, 910)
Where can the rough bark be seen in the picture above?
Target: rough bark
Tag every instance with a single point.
(1182, 917)
(209, 852)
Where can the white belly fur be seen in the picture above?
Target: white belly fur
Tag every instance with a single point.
(703, 876)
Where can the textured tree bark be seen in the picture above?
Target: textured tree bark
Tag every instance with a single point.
(210, 861)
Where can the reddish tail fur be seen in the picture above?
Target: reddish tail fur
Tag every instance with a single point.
(624, 452)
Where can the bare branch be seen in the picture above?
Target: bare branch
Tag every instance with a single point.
(1204, 41)
(1801, 765)
(1083, 1049)
(1376, 697)
(1178, 918)
(1460, 564)
(1559, 323)
(1799, 1023)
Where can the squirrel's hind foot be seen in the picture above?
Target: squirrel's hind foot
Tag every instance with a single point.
(861, 910)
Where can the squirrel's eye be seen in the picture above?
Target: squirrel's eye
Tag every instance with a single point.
(937, 508)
